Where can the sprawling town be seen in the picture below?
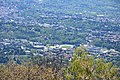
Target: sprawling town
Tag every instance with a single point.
(59, 40)
(12, 49)
(49, 33)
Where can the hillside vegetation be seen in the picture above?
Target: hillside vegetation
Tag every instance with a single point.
(81, 67)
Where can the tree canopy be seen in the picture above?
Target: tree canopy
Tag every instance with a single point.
(83, 66)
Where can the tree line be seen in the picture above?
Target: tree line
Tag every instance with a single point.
(83, 66)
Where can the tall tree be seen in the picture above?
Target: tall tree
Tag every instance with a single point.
(84, 67)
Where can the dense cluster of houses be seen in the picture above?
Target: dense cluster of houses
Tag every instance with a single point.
(100, 52)
(22, 47)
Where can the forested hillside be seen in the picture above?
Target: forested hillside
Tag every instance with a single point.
(62, 21)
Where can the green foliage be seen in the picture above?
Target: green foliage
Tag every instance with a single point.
(107, 44)
(82, 67)
(85, 67)
(28, 72)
